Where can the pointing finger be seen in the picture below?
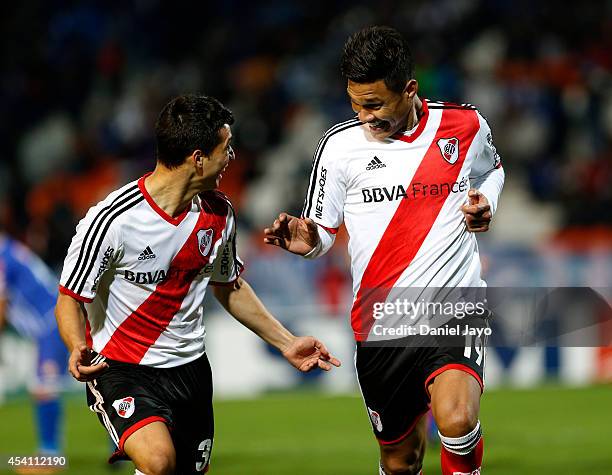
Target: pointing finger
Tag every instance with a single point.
(335, 361)
(475, 209)
(474, 196)
(469, 209)
(323, 365)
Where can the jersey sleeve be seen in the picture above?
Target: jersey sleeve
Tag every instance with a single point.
(324, 202)
(487, 174)
(93, 251)
(487, 159)
(326, 241)
(227, 265)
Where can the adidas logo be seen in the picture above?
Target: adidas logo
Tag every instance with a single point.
(146, 254)
(375, 163)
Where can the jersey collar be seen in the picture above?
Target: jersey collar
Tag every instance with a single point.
(174, 221)
(419, 129)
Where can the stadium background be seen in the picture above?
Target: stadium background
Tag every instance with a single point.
(80, 87)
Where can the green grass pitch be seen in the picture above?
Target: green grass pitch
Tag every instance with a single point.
(537, 431)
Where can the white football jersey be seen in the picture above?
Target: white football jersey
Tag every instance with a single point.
(400, 200)
(143, 274)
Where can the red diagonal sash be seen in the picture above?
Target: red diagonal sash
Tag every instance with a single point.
(412, 220)
(142, 328)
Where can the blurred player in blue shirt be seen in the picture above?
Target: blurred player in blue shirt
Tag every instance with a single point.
(28, 290)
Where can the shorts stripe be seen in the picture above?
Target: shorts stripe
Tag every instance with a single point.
(99, 358)
(98, 407)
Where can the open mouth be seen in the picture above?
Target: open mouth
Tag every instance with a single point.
(378, 126)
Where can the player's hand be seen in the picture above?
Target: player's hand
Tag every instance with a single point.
(477, 213)
(80, 366)
(296, 235)
(307, 353)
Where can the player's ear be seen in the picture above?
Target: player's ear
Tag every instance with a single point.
(198, 159)
(412, 87)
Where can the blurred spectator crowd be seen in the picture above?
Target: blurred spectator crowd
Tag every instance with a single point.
(83, 81)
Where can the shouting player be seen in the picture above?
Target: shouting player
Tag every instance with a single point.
(412, 180)
(132, 289)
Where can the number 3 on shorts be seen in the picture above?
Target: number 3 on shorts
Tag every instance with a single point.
(204, 447)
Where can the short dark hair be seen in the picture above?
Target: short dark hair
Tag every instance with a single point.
(375, 53)
(188, 123)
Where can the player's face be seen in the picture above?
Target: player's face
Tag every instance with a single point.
(222, 154)
(384, 111)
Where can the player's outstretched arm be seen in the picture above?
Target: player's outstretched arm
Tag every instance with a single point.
(305, 353)
(296, 235)
(71, 324)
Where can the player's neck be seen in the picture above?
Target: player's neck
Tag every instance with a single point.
(415, 113)
(172, 190)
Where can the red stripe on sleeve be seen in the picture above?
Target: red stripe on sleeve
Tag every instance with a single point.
(74, 295)
(329, 230)
(142, 328)
(412, 220)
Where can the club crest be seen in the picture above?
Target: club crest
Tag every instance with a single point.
(125, 406)
(375, 418)
(449, 148)
(205, 240)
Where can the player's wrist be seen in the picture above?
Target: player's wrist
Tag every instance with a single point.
(78, 346)
(314, 252)
(287, 343)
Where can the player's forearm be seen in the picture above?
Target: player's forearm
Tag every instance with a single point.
(244, 305)
(490, 185)
(70, 321)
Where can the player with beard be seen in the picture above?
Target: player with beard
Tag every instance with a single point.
(412, 180)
